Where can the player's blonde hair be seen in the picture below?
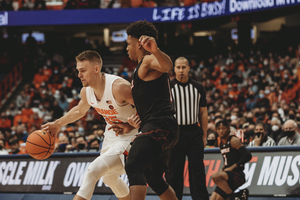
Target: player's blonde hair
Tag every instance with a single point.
(91, 56)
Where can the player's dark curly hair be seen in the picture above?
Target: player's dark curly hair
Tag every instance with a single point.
(139, 28)
(223, 122)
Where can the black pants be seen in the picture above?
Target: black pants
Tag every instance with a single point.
(190, 144)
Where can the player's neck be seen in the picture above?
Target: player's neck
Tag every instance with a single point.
(99, 86)
(225, 139)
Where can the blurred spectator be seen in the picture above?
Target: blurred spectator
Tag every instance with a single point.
(12, 110)
(20, 119)
(63, 142)
(63, 103)
(5, 122)
(34, 121)
(292, 136)
(95, 144)
(81, 144)
(262, 100)
(39, 78)
(3, 150)
(261, 138)
(15, 147)
(276, 131)
(27, 111)
(22, 98)
(56, 110)
(212, 140)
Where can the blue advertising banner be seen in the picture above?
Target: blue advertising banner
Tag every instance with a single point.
(127, 15)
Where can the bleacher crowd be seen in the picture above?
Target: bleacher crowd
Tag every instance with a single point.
(26, 5)
(258, 86)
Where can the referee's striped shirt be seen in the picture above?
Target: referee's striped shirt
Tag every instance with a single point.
(188, 98)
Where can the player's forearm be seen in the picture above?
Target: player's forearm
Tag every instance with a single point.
(164, 61)
(73, 115)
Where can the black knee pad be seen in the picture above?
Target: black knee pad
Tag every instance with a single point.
(135, 175)
(157, 184)
(221, 192)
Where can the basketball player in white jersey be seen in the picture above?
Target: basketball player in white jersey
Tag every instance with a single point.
(111, 97)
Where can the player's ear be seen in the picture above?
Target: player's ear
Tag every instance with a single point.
(97, 69)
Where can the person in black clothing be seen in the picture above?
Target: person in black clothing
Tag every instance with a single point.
(147, 159)
(191, 107)
(235, 155)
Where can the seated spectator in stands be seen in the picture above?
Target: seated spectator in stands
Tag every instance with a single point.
(262, 101)
(12, 110)
(251, 100)
(22, 98)
(3, 150)
(75, 101)
(20, 119)
(63, 142)
(81, 144)
(292, 136)
(15, 147)
(4, 121)
(34, 121)
(276, 131)
(261, 138)
(39, 78)
(63, 103)
(27, 111)
(90, 137)
(94, 144)
(212, 139)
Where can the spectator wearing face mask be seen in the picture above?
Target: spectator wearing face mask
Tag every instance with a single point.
(292, 136)
(262, 100)
(63, 142)
(15, 147)
(81, 143)
(212, 139)
(261, 138)
(276, 131)
(95, 144)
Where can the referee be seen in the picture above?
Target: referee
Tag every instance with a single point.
(190, 103)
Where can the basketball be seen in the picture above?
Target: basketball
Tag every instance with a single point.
(40, 144)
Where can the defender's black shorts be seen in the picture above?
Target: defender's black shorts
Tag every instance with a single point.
(235, 179)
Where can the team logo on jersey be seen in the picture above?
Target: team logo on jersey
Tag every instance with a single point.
(108, 102)
(111, 107)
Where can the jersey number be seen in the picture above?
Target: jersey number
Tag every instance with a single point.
(225, 159)
(112, 119)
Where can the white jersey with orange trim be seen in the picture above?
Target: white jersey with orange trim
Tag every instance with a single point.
(110, 109)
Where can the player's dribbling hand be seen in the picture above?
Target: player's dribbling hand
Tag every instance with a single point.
(52, 127)
(148, 43)
(134, 121)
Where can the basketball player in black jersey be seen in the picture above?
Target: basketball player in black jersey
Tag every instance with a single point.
(235, 155)
(147, 160)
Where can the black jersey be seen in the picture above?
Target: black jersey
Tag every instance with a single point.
(230, 155)
(151, 98)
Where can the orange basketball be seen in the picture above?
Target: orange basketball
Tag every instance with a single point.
(40, 144)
